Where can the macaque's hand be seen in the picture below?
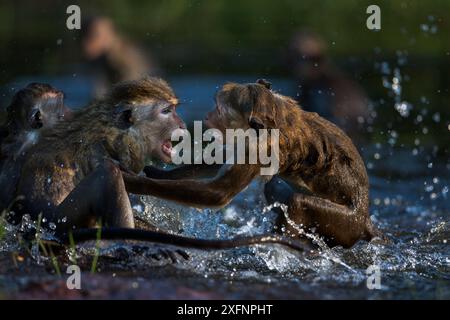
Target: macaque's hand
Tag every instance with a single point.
(153, 172)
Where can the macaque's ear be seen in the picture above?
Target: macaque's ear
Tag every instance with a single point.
(255, 123)
(265, 83)
(124, 116)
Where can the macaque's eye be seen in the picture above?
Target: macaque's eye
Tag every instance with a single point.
(167, 110)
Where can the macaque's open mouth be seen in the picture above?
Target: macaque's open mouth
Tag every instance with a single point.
(166, 148)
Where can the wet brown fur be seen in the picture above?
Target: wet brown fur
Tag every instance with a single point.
(33, 108)
(102, 133)
(329, 187)
(314, 154)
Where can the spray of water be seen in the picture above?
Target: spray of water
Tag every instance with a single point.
(326, 252)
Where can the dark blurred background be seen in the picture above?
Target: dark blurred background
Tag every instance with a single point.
(199, 45)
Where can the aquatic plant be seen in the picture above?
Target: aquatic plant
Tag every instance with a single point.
(97, 249)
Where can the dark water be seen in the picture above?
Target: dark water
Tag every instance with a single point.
(409, 203)
(413, 212)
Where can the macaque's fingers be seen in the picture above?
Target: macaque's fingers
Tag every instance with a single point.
(163, 253)
(183, 254)
(155, 256)
(172, 256)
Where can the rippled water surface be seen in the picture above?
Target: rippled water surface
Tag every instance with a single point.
(413, 212)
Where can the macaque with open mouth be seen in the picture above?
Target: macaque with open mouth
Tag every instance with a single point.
(328, 183)
(73, 176)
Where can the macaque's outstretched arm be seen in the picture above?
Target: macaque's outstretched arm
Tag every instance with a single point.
(211, 192)
(192, 171)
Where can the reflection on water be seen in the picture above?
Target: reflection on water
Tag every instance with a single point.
(409, 203)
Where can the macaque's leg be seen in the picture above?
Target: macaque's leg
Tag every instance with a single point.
(337, 223)
(101, 195)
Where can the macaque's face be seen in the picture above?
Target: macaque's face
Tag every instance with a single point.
(155, 121)
(36, 106)
(48, 110)
(224, 116)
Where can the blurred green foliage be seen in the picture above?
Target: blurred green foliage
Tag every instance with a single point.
(208, 35)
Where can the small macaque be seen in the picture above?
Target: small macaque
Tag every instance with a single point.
(74, 174)
(328, 183)
(36, 107)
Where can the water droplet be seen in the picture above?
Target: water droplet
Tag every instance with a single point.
(403, 108)
(424, 27)
(437, 117)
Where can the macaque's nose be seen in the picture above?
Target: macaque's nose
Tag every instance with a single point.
(181, 124)
(179, 121)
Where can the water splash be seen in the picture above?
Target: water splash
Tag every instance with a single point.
(326, 252)
(393, 82)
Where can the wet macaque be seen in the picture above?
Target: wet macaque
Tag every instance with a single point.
(329, 187)
(74, 174)
(37, 106)
(33, 108)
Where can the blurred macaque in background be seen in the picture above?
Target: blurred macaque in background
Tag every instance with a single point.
(112, 56)
(322, 87)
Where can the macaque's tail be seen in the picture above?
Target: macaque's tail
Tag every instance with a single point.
(107, 233)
